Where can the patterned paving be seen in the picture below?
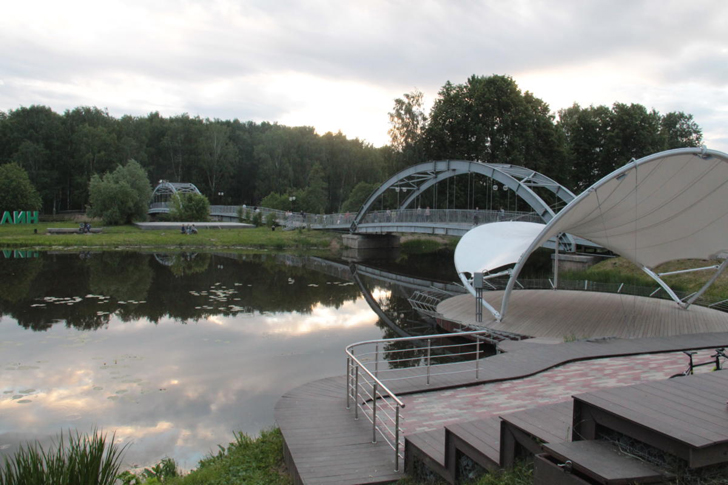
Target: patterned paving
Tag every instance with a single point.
(433, 410)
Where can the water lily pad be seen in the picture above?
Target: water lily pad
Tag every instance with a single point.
(27, 391)
(113, 398)
(121, 391)
(98, 388)
(24, 401)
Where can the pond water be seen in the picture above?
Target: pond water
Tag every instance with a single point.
(174, 352)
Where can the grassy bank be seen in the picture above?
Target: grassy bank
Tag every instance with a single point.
(620, 270)
(23, 236)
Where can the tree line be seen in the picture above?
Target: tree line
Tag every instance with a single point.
(487, 118)
(230, 161)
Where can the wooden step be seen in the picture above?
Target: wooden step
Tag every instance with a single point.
(529, 429)
(429, 449)
(601, 462)
(479, 440)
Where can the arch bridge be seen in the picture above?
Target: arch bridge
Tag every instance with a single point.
(165, 191)
(527, 185)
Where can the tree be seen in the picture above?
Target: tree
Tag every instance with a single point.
(276, 201)
(314, 197)
(16, 191)
(680, 130)
(358, 196)
(190, 207)
(408, 122)
(120, 196)
(489, 119)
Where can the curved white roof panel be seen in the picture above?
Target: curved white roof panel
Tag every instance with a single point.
(490, 246)
(671, 205)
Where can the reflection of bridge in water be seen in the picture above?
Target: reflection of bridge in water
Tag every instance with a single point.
(422, 295)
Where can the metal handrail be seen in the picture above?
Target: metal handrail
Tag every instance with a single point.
(367, 400)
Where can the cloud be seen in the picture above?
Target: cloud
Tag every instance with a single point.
(339, 65)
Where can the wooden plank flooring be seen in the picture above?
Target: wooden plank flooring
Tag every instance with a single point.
(691, 409)
(585, 314)
(326, 445)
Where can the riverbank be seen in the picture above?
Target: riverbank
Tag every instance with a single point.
(121, 237)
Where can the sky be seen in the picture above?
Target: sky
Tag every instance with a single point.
(339, 65)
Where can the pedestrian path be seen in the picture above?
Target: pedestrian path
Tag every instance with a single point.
(433, 410)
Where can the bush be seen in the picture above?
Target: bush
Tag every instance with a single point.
(16, 191)
(120, 196)
(271, 219)
(190, 207)
(85, 460)
(257, 219)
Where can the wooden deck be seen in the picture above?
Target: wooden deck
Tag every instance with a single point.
(585, 314)
(324, 444)
(685, 416)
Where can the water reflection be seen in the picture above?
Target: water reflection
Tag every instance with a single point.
(175, 351)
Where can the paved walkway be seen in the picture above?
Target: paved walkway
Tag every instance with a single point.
(434, 410)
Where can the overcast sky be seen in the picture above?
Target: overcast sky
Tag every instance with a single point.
(338, 65)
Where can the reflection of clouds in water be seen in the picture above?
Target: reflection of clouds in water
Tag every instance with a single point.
(188, 386)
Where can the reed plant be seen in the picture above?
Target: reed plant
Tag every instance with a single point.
(76, 459)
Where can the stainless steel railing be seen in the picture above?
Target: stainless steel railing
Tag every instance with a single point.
(367, 371)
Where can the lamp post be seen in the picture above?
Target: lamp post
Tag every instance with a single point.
(221, 194)
(292, 199)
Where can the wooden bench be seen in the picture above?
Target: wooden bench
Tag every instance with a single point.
(71, 230)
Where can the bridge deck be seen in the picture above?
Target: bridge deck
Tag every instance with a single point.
(556, 314)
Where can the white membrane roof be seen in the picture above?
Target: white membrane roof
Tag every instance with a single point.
(671, 205)
(490, 246)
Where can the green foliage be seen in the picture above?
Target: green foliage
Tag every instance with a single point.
(315, 196)
(121, 196)
(270, 219)
(358, 196)
(408, 122)
(276, 201)
(490, 119)
(257, 219)
(190, 207)
(246, 460)
(76, 460)
(16, 190)
(520, 474)
(600, 139)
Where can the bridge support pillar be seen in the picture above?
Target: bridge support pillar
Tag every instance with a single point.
(574, 262)
(370, 241)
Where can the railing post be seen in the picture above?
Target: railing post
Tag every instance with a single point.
(376, 361)
(429, 346)
(356, 392)
(348, 382)
(374, 412)
(477, 356)
(396, 439)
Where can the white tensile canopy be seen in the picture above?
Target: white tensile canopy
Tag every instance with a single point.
(667, 206)
(492, 246)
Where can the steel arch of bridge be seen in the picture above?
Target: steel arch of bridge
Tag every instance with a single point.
(164, 192)
(520, 180)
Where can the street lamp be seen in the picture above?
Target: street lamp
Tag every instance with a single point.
(220, 194)
(292, 199)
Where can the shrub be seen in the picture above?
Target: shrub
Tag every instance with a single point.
(82, 460)
(190, 207)
(120, 196)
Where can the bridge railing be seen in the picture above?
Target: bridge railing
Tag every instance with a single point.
(343, 220)
(367, 370)
(447, 216)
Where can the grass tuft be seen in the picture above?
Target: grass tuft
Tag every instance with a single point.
(76, 460)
